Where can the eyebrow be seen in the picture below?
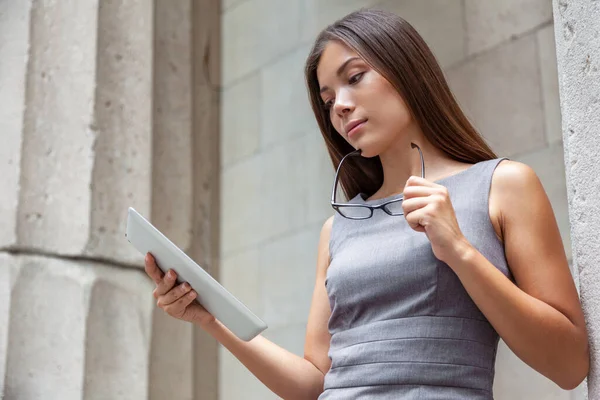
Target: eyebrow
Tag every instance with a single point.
(340, 70)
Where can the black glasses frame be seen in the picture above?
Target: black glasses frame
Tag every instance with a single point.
(341, 206)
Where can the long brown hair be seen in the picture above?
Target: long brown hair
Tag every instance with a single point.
(395, 50)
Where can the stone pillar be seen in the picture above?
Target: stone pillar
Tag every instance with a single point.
(577, 33)
(206, 73)
(171, 367)
(98, 104)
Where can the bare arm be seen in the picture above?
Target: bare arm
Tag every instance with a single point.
(286, 374)
(540, 318)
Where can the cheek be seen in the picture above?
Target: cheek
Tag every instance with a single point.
(384, 101)
(336, 122)
(395, 109)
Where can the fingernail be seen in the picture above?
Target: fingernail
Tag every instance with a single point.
(192, 294)
(171, 274)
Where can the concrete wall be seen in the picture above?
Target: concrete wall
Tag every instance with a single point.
(96, 106)
(577, 28)
(500, 61)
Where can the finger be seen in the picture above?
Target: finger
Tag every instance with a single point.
(417, 219)
(418, 181)
(173, 295)
(177, 309)
(419, 191)
(410, 205)
(152, 269)
(165, 284)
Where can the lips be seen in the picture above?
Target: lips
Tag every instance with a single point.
(350, 126)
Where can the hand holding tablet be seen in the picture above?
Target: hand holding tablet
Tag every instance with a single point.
(177, 301)
(198, 296)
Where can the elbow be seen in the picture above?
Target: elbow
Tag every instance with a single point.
(577, 371)
(312, 389)
(318, 390)
(572, 383)
(573, 379)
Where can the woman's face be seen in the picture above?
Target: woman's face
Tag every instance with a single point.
(363, 106)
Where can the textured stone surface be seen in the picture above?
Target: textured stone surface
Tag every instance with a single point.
(83, 152)
(443, 29)
(8, 269)
(318, 14)
(549, 79)
(117, 343)
(57, 155)
(578, 53)
(240, 275)
(172, 178)
(227, 4)
(282, 168)
(206, 230)
(240, 120)
(491, 22)
(285, 109)
(96, 115)
(14, 39)
(500, 92)
(287, 275)
(122, 164)
(318, 179)
(240, 206)
(248, 217)
(171, 361)
(74, 329)
(255, 33)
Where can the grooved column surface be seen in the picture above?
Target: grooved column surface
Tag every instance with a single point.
(577, 32)
(104, 105)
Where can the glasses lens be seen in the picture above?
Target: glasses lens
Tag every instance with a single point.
(395, 207)
(355, 212)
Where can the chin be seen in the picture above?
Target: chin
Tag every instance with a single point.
(368, 154)
(369, 150)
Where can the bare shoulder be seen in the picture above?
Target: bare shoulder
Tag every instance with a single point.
(326, 230)
(324, 243)
(511, 174)
(514, 184)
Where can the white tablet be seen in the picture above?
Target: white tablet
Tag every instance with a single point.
(211, 295)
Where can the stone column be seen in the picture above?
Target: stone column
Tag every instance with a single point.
(577, 33)
(97, 105)
(206, 73)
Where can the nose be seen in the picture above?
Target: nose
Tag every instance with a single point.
(343, 105)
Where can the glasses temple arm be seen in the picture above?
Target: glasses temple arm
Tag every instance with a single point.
(337, 172)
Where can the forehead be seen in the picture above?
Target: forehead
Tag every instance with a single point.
(334, 54)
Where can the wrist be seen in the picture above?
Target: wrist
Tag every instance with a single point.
(206, 323)
(463, 252)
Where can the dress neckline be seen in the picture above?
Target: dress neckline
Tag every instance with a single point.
(361, 195)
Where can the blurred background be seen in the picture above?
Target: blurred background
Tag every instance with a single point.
(195, 113)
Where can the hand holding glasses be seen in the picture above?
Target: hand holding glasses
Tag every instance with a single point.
(365, 211)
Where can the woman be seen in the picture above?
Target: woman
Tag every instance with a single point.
(422, 271)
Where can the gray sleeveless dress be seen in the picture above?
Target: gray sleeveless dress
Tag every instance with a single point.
(402, 324)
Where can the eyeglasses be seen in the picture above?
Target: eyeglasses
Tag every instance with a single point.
(365, 211)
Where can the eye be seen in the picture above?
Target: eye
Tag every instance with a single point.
(327, 105)
(355, 78)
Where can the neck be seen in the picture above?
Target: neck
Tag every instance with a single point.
(402, 161)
